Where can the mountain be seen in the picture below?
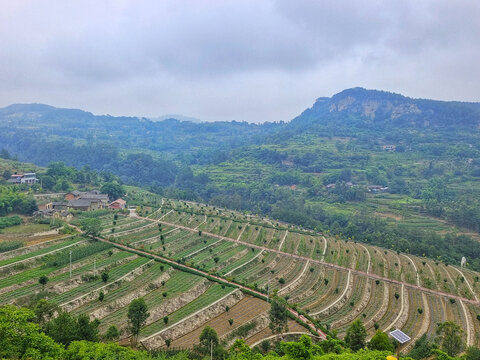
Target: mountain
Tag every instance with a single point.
(401, 173)
(373, 109)
(176, 117)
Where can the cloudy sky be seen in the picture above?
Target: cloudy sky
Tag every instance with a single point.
(259, 60)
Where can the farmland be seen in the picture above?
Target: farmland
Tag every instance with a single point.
(331, 280)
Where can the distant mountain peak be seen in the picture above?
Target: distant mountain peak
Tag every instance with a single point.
(176, 117)
(363, 106)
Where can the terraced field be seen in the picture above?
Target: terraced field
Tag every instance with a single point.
(332, 280)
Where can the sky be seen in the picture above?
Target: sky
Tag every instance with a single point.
(244, 60)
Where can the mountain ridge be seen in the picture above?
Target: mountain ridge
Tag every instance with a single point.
(362, 107)
(364, 103)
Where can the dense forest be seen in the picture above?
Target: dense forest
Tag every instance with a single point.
(413, 164)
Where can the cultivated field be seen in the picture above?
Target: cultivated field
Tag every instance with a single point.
(332, 280)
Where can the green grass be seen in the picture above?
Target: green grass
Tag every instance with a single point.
(102, 261)
(39, 252)
(214, 293)
(114, 274)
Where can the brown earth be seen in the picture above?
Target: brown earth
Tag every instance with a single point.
(244, 311)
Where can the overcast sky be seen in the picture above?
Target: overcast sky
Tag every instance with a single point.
(259, 60)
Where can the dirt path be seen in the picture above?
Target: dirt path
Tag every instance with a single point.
(347, 287)
(324, 248)
(241, 231)
(466, 282)
(369, 258)
(423, 328)
(402, 295)
(126, 232)
(203, 248)
(283, 240)
(153, 237)
(415, 267)
(203, 222)
(297, 279)
(245, 263)
(468, 323)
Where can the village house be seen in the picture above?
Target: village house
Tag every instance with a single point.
(377, 188)
(95, 198)
(391, 148)
(79, 204)
(29, 178)
(56, 214)
(118, 204)
(72, 195)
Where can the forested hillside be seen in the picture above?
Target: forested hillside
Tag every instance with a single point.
(371, 165)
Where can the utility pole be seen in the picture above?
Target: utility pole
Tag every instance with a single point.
(94, 267)
(211, 349)
(70, 264)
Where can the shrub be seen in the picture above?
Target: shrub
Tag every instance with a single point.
(10, 245)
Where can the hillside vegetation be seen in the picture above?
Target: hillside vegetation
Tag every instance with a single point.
(426, 152)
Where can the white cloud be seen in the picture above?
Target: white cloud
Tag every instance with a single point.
(244, 60)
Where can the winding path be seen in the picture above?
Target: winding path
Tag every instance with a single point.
(415, 267)
(283, 240)
(324, 248)
(399, 314)
(369, 258)
(466, 281)
(347, 286)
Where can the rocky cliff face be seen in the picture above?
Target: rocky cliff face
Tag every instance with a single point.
(381, 108)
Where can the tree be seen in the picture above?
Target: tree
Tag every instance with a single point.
(101, 296)
(473, 353)
(356, 335)
(451, 337)
(112, 333)
(113, 189)
(137, 317)
(209, 343)
(91, 226)
(63, 329)
(21, 338)
(48, 182)
(44, 310)
(422, 348)
(105, 276)
(43, 280)
(66, 328)
(301, 350)
(87, 330)
(6, 174)
(4, 154)
(83, 350)
(380, 341)
(278, 315)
